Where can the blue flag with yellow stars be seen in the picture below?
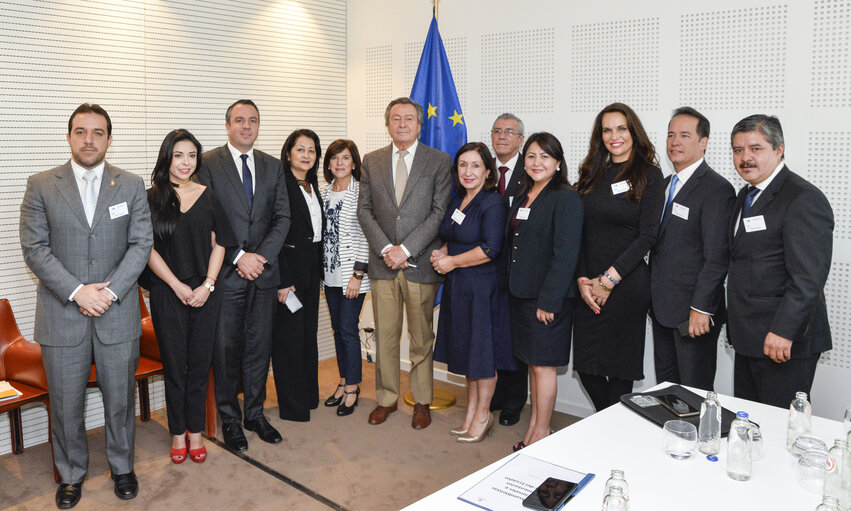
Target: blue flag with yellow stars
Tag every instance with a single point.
(434, 89)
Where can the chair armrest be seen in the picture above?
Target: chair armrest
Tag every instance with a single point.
(23, 363)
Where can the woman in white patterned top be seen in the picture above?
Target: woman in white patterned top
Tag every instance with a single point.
(345, 265)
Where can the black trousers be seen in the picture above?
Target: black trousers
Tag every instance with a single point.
(766, 381)
(241, 351)
(295, 355)
(512, 389)
(185, 337)
(685, 360)
(604, 391)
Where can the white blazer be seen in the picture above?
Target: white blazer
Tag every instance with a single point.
(352, 248)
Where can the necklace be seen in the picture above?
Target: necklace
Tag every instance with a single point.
(304, 184)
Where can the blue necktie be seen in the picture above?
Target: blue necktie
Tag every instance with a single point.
(247, 183)
(674, 181)
(749, 200)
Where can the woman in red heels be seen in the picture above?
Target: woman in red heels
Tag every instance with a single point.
(191, 237)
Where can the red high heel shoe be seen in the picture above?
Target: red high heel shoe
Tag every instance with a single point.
(178, 456)
(197, 455)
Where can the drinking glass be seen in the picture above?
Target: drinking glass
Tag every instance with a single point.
(847, 420)
(679, 439)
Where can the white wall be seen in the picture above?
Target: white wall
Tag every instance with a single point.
(155, 65)
(557, 63)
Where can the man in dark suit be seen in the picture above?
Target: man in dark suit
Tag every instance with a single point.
(86, 234)
(507, 139)
(400, 211)
(689, 261)
(781, 241)
(250, 185)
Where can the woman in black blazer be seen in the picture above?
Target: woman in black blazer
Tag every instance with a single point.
(544, 230)
(295, 352)
(622, 191)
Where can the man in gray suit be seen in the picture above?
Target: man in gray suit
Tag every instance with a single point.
(689, 261)
(250, 185)
(86, 234)
(400, 211)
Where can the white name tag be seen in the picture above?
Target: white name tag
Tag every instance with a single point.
(523, 213)
(118, 210)
(458, 217)
(680, 211)
(510, 200)
(620, 187)
(754, 223)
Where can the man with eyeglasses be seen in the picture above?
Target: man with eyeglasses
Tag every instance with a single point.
(507, 139)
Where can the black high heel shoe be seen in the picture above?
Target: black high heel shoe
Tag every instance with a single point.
(344, 410)
(334, 400)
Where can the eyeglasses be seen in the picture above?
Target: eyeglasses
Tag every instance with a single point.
(499, 131)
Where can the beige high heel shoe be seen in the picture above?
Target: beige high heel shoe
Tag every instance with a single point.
(467, 439)
(459, 431)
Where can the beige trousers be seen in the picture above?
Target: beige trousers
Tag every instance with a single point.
(388, 298)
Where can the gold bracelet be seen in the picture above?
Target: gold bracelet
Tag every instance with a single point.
(607, 289)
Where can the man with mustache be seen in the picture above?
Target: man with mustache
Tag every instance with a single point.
(250, 185)
(781, 239)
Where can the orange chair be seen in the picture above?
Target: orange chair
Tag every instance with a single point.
(20, 365)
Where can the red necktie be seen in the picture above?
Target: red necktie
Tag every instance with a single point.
(502, 170)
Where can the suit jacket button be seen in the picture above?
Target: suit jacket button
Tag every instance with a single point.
(251, 222)
(91, 235)
(92, 261)
(398, 218)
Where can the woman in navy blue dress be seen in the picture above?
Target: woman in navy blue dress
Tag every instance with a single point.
(473, 331)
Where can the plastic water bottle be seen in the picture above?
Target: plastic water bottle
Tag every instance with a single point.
(800, 419)
(617, 479)
(739, 448)
(829, 504)
(833, 474)
(845, 476)
(615, 500)
(756, 442)
(709, 431)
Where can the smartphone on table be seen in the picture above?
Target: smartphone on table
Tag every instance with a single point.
(677, 406)
(550, 495)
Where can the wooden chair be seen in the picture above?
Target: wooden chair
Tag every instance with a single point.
(20, 365)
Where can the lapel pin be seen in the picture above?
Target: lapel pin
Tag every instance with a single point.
(112, 182)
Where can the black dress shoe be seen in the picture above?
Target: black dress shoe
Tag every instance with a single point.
(508, 418)
(68, 494)
(234, 437)
(344, 410)
(126, 486)
(264, 430)
(334, 400)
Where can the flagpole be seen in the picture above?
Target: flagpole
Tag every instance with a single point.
(435, 8)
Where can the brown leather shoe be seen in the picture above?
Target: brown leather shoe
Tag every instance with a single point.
(380, 413)
(422, 416)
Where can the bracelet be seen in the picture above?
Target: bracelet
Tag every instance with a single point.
(358, 276)
(607, 289)
(615, 282)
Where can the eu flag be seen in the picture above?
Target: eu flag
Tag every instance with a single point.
(434, 89)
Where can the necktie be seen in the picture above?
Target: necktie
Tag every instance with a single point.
(90, 200)
(247, 183)
(502, 170)
(401, 176)
(671, 192)
(749, 200)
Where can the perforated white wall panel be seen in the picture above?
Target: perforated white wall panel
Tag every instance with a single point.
(155, 66)
(555, 64)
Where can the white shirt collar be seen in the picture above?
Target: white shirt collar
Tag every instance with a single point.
(237, 154)
(79, 170)
(411, 150)
(510, 163)
(686, 173)
(762, 186)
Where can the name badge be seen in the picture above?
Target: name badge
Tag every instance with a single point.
(523, 213)
(680, 211)
(118, 211)
(510, 200)
(620, 187)
(754, 223)
(458, 217)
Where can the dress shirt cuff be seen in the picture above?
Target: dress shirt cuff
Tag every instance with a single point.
(405, 250)
(386, 248)
(114, 296)
(71, 298)
(700, 311)
(240, 254)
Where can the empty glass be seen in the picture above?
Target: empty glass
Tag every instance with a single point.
(679, 439)
(811, 469)
(847, 420)
(806, 443)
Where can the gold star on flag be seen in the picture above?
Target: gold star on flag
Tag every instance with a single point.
(456, 119)
(432, 111)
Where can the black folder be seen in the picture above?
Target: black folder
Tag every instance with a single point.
(659, 415)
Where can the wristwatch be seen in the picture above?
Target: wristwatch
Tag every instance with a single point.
(358, 276)
(209, 286)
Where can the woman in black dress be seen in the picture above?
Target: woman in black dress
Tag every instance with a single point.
(191, 232)
(295, 352)
(544, 229)
(473, 330)
(622, 190)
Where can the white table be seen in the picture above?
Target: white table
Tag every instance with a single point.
(618, 438)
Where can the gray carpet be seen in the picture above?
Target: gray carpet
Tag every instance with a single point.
(345, 460)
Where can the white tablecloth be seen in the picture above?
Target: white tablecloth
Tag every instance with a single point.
(618, 438)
